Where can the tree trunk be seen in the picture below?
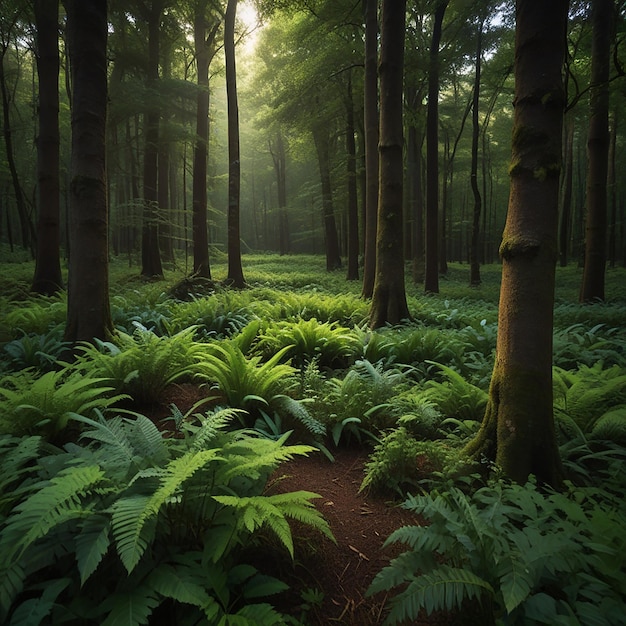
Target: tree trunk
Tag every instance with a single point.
(331, 239)
(353, 207)
(88, 310)
(566, 204)
(517, 431)
(612, 189)
(416, 200)
(592, 287)
(204, 51)
(370, 103)
(474, 246)
(431, 279)
(47, 278)
(279, 158)
(26, 226)
(389, 304)
(150, 254)
(235, 271)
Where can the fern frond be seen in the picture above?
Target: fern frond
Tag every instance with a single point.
(132, 514)
(56, 502)
(444, 588)
(92, 543)
(130, 608)
(34, 610)
(183, 583)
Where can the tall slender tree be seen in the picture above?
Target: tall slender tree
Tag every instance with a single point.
(389, 303)
(150, 254)
(47, 278)
(353, 207)
(517, 431)
(204, 34)
(235, 271)
(592, 287)
(431, 279)
(88, 314)
(475, 243)
(371, 144)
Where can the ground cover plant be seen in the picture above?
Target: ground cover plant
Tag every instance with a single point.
(279, 369)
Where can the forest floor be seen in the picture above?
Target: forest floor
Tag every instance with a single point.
(328, 581)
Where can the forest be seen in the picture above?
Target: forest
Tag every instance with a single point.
(312, 312)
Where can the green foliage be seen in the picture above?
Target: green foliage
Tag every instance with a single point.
(44, 403)
(577, 345)
(586, 394)
(402, 463)
(526, 555)
(37, 351)
(330, 345)
(363, 394)
(39, 315)
(456, 397)
(144, 364)
(243, 381)
(131, 522)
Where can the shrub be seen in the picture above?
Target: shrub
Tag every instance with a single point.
(131, 523)
(527, 556)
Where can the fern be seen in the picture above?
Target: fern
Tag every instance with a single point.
(242, 379)
(45, 404)
(132, 522)
(272, 511)
(54, 503)
(512, 546)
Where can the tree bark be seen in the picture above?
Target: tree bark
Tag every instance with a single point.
(592, 287)
(88, 314)
(331, 239)
(150, 255)
(279, 158)
(353, 207)
(389, 304)
(475, 243)
(566, 203)
(370, 103)
(204, 46)
(431, 278)
(47, 279)
(235, 271)
(517, 431)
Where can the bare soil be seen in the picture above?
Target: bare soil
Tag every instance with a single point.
(338, 572)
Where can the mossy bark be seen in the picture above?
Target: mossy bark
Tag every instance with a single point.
(517, 432)
(389, 303)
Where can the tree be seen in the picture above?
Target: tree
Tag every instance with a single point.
(150, 253)
(47, 278)
(474, 246)
(389, 298)
(353, 207)
(370, 100)
(235, 271)
(204, 43)
(9, 26)
(88, 314)
(517, 431)
(592, 288)
(431, 279)
(279, 160)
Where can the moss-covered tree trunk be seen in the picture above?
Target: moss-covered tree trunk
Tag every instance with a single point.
(88, 314)
(518, 427)
(389, 298)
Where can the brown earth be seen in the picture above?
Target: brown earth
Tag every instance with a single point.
(339, 573)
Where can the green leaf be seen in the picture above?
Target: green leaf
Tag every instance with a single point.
(130, 608)
(92, 544)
